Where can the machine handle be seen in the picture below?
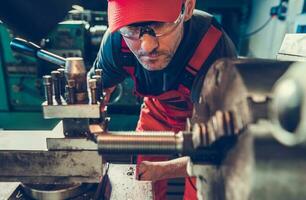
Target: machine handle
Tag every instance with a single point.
(24, 47)
(30, 49)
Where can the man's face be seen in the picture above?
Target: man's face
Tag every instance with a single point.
(155, 53)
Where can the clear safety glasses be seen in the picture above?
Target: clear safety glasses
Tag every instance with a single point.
(156, 29)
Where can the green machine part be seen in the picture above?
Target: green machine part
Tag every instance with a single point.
(68, 39)
(3, 91)
(22, 92)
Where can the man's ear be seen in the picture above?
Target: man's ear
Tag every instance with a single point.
(190, 4)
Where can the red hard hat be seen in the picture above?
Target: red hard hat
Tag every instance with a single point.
(124, 12)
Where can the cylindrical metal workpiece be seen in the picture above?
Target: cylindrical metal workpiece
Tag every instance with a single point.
(75, 69)
(140, 143)
(99, 86)
(56, 85)
(70, 87)
(47, 82)
(93, 90)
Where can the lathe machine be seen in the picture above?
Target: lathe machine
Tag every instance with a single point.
(218, 138)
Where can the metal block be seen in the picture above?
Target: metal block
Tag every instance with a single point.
(56, 167)
(24, 157)
(294, 45)
(75, 144)
(71, 111)
(28, 140)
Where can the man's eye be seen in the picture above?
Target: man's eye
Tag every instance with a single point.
(133, 28)
(157, 25)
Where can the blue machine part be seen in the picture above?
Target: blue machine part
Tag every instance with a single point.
(301, 29)
(300, 23)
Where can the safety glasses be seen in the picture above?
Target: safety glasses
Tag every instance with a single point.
(156, 29)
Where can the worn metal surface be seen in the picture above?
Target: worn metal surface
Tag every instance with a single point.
(55, 192)
(259, 75)
(24, 157)
(280, 170)
(18, 192)
(50, 166)
(76, 127)
(224, 89)
(125, 186)
(75, 70)
(122, 182)
(67, 144)
(71, 111)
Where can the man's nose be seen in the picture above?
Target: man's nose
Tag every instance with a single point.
(148, 43)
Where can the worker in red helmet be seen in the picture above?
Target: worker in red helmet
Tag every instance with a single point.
(166, 47)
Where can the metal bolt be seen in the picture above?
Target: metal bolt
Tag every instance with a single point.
(99, 86)
(47, 82)
(93, 90)
(71, 91)
(62, 80)
(56, 85)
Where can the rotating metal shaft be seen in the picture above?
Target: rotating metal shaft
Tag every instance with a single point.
(200, 136)
(139, 143)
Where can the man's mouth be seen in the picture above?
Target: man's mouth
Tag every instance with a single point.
(151, 57)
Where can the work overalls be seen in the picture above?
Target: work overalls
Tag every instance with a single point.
(159, 113)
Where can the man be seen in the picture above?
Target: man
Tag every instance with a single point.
(165, 47)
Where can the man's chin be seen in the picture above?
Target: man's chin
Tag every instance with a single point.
(154, 65)
(153, 68)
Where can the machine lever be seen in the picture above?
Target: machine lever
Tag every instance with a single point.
(30, 49)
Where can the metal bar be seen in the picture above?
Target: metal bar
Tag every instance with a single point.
(62, 80)
(50, 166)
(50, 57)
(56, 86)
(71, 111)
(68, 144)
(139, 143)
(93, 90)
(99, 90)
(47, 81)
(71, 98)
